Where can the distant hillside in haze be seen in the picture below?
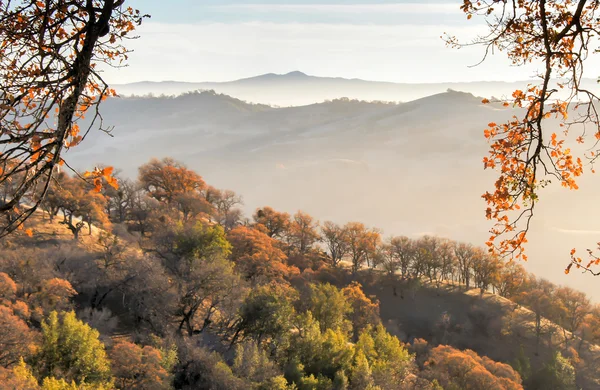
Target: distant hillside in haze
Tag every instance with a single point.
(408, 168)
(297, 88)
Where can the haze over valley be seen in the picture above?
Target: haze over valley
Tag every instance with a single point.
(408, 168)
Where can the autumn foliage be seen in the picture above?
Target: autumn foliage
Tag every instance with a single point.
(49, 51)
(282, 301)
(526, 151)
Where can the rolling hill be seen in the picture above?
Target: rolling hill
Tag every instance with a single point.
(297, 88)
(408, 168)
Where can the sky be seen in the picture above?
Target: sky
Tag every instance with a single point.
(384, 40)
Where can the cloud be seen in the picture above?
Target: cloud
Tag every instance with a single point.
(577, 231)
(226, 51)
(402, 8)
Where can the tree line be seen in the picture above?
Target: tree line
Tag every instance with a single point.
(176, 288)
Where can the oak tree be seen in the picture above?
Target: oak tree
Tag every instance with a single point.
(557, 36)
(49, 57)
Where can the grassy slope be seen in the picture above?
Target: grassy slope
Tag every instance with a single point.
(478, 322)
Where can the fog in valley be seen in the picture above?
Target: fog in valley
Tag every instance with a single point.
(408, 168)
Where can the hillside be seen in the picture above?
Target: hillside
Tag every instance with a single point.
(446, 314)
(413, 167)
(297, 88)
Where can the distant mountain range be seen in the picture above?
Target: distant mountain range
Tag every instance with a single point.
(408, 168)
(297, 88)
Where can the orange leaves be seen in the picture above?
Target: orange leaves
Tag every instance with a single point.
(518, 94)
(523, 150)
(99, 175)
(515, 150)
(46, 66)
(107, 171)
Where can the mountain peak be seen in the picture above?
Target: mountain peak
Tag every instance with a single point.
(295, 73)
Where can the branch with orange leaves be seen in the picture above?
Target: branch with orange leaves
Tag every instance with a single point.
(556, 34)
(593, 260)
(48, 55)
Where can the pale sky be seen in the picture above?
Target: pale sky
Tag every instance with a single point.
(221, 40)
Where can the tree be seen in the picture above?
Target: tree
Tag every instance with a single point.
(276, 224)
(202, 289)
(447, 261)
(71, 350)
(8, 288)
(191, 205)
(510, 280)
(19, 377)
(302, 233)
(485, 270)
(165, 179)
(317, 356)
(266, 314)
(465, 257)
(53, 200)
(556, 35)
(430, 249)
(556, 374)
(363, 243)
(330, 307)
(54, 294)
(119, 201)
(251, 362)
(202, 278)
(16, 339)
(364, 312)
(401, 250)
(226, 212)
(389, 361)
(574, 307)
(79, 204)
(257, 255)
(201, 369)
(136, 367)
(48, 57)
(590, 329)
(336, 240)
(361, 376)
(538, 296)
(466, 370)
